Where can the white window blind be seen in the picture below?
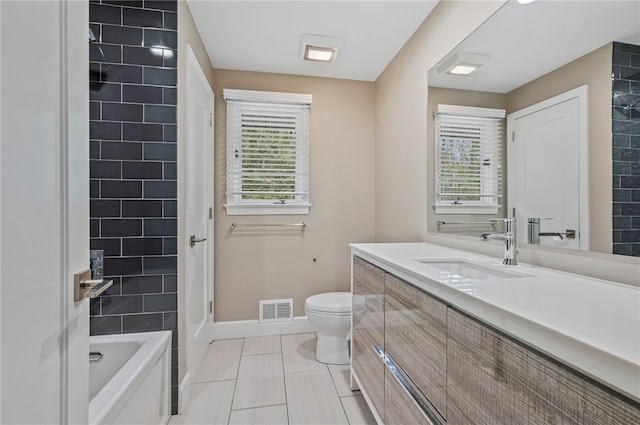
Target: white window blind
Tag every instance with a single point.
(267, 152)
(468, 159)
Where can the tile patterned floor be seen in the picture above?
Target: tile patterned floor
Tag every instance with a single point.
(271, 380)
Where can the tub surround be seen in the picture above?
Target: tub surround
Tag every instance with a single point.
(589, 324)
(133, 166)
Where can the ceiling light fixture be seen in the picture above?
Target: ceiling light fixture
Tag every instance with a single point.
(463, 63)
(319, 48)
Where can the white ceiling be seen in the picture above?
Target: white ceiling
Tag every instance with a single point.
(528, 41)
(265, 35)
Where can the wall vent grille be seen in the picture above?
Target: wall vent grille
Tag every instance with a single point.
(276, 311)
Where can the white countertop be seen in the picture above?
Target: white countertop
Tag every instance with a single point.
(590, 324)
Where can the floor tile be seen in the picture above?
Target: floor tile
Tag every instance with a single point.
(210, 403)
(357, 411)
(220, 362)
(271, 415)
(341, 375)
(262, 345)
(260, 382)
(312, 399)
(299, 353)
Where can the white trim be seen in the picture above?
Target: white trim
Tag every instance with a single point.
(252, 328)
(582, 94)
(0, 203)
(256, 209)
(194, 73)
(184, 392)
(471, 111)
(466, 209)
(267, 96)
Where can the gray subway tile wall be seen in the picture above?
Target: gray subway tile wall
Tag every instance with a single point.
(133, 168)
(626, 149)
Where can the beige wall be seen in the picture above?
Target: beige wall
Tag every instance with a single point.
(187, 34)
(401, 119)
(593, 69)
(464, 98)
(263, 264)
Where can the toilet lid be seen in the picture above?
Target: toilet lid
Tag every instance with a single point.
(332, 302)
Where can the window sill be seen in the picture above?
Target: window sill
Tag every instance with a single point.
(257, 209)
(466, 209)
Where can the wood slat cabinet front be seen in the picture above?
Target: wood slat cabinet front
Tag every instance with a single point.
(399, 408)
(495, 380)
(416, 338)
(368, 330)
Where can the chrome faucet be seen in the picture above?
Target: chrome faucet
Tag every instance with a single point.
(510, 241)
(534, 231)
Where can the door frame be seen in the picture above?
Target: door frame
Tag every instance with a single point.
(582, 94)
(193, 70)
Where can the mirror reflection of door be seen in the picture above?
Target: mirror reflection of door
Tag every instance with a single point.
(546, 148)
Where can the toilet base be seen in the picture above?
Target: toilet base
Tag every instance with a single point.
(332, 349)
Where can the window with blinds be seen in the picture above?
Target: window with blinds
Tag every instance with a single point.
(267, 152)
(468, 159)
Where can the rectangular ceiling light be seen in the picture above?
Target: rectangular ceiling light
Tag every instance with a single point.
(462, 63)
(319, 48)
(320, 54)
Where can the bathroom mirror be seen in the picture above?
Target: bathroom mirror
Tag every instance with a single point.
(532, 53)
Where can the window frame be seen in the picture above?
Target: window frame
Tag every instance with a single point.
(490, 142)
(296, 108)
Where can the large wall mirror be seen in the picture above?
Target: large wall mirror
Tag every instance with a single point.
(534, 57)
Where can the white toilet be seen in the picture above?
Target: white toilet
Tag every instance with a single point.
(331, 314)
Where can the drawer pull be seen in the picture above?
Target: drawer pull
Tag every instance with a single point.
(405, 384)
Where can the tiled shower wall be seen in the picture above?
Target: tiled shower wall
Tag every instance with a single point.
(133, 166)
(626, 149)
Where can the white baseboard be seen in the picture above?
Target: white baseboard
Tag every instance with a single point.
(252, 328)
(184, 392)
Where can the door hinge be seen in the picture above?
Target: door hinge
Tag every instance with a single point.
(210, 307)
(210, 213)
(211, 120)
(513, 136)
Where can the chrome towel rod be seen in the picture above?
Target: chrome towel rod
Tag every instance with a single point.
(440, 223)
(302, 225)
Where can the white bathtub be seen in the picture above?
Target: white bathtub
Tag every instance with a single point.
(131, 383)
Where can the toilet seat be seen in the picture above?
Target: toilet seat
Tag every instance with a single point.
(334, 303)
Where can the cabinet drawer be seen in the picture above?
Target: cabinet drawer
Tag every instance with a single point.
(368, 330)
(399, 408)
(369, 367)
(496, 380)
(416, 338)
(368, 299)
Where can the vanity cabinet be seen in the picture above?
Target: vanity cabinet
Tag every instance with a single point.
(416, 340)
(399, 408)
(495, 380)
(368, 330)
(421, 359)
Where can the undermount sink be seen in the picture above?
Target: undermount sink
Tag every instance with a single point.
(455, 270)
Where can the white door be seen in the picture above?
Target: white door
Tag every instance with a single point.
(44, 216)
(199, 220)
(547, 146)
